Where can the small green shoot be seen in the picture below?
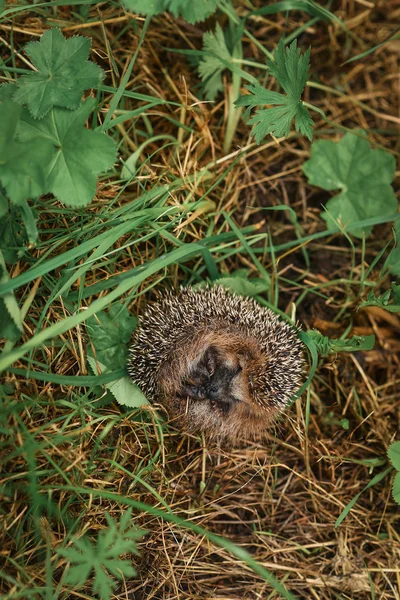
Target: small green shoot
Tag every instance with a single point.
(63, 73)
(363, 175)
(326, 346)
(215, 53)
(291, 69)
(192, 12)
(390, 300)
(103, 558)
(222, 50)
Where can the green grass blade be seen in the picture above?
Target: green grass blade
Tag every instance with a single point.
(176, 256)
(352, 502)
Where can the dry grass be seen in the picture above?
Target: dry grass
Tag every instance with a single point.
(278, 499)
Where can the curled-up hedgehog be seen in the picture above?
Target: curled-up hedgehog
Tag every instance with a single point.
(218, 363)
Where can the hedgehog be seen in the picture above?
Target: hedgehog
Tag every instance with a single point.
(218, 363)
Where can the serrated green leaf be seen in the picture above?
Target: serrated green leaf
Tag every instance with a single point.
(22, 165)
(63, 73)
(189, 10)
(211, 67)
(78, 154)
(103, 558)
(396, 488)
(127, 393)
(110, 333)
(326, 346)
(394, 454)
(291, 69)
(123, 389)
(145, 7)
(363, 175)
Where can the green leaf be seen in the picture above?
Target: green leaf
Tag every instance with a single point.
(145, 7)
(305, 5)
(291, 69)
(243, 286)
(110, 333)
(374, 481)
(326, 346)
(211, 66)
(63, 73)
(127, 393)
(123, 389)
(22, 165)
(390, 300)
(78, 154)
(394, 35)
(396, 488)
(189, 10)
(363, 175)
(103, 558)
(394, 454)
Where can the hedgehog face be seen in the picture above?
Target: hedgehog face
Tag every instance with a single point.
(216, 376)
